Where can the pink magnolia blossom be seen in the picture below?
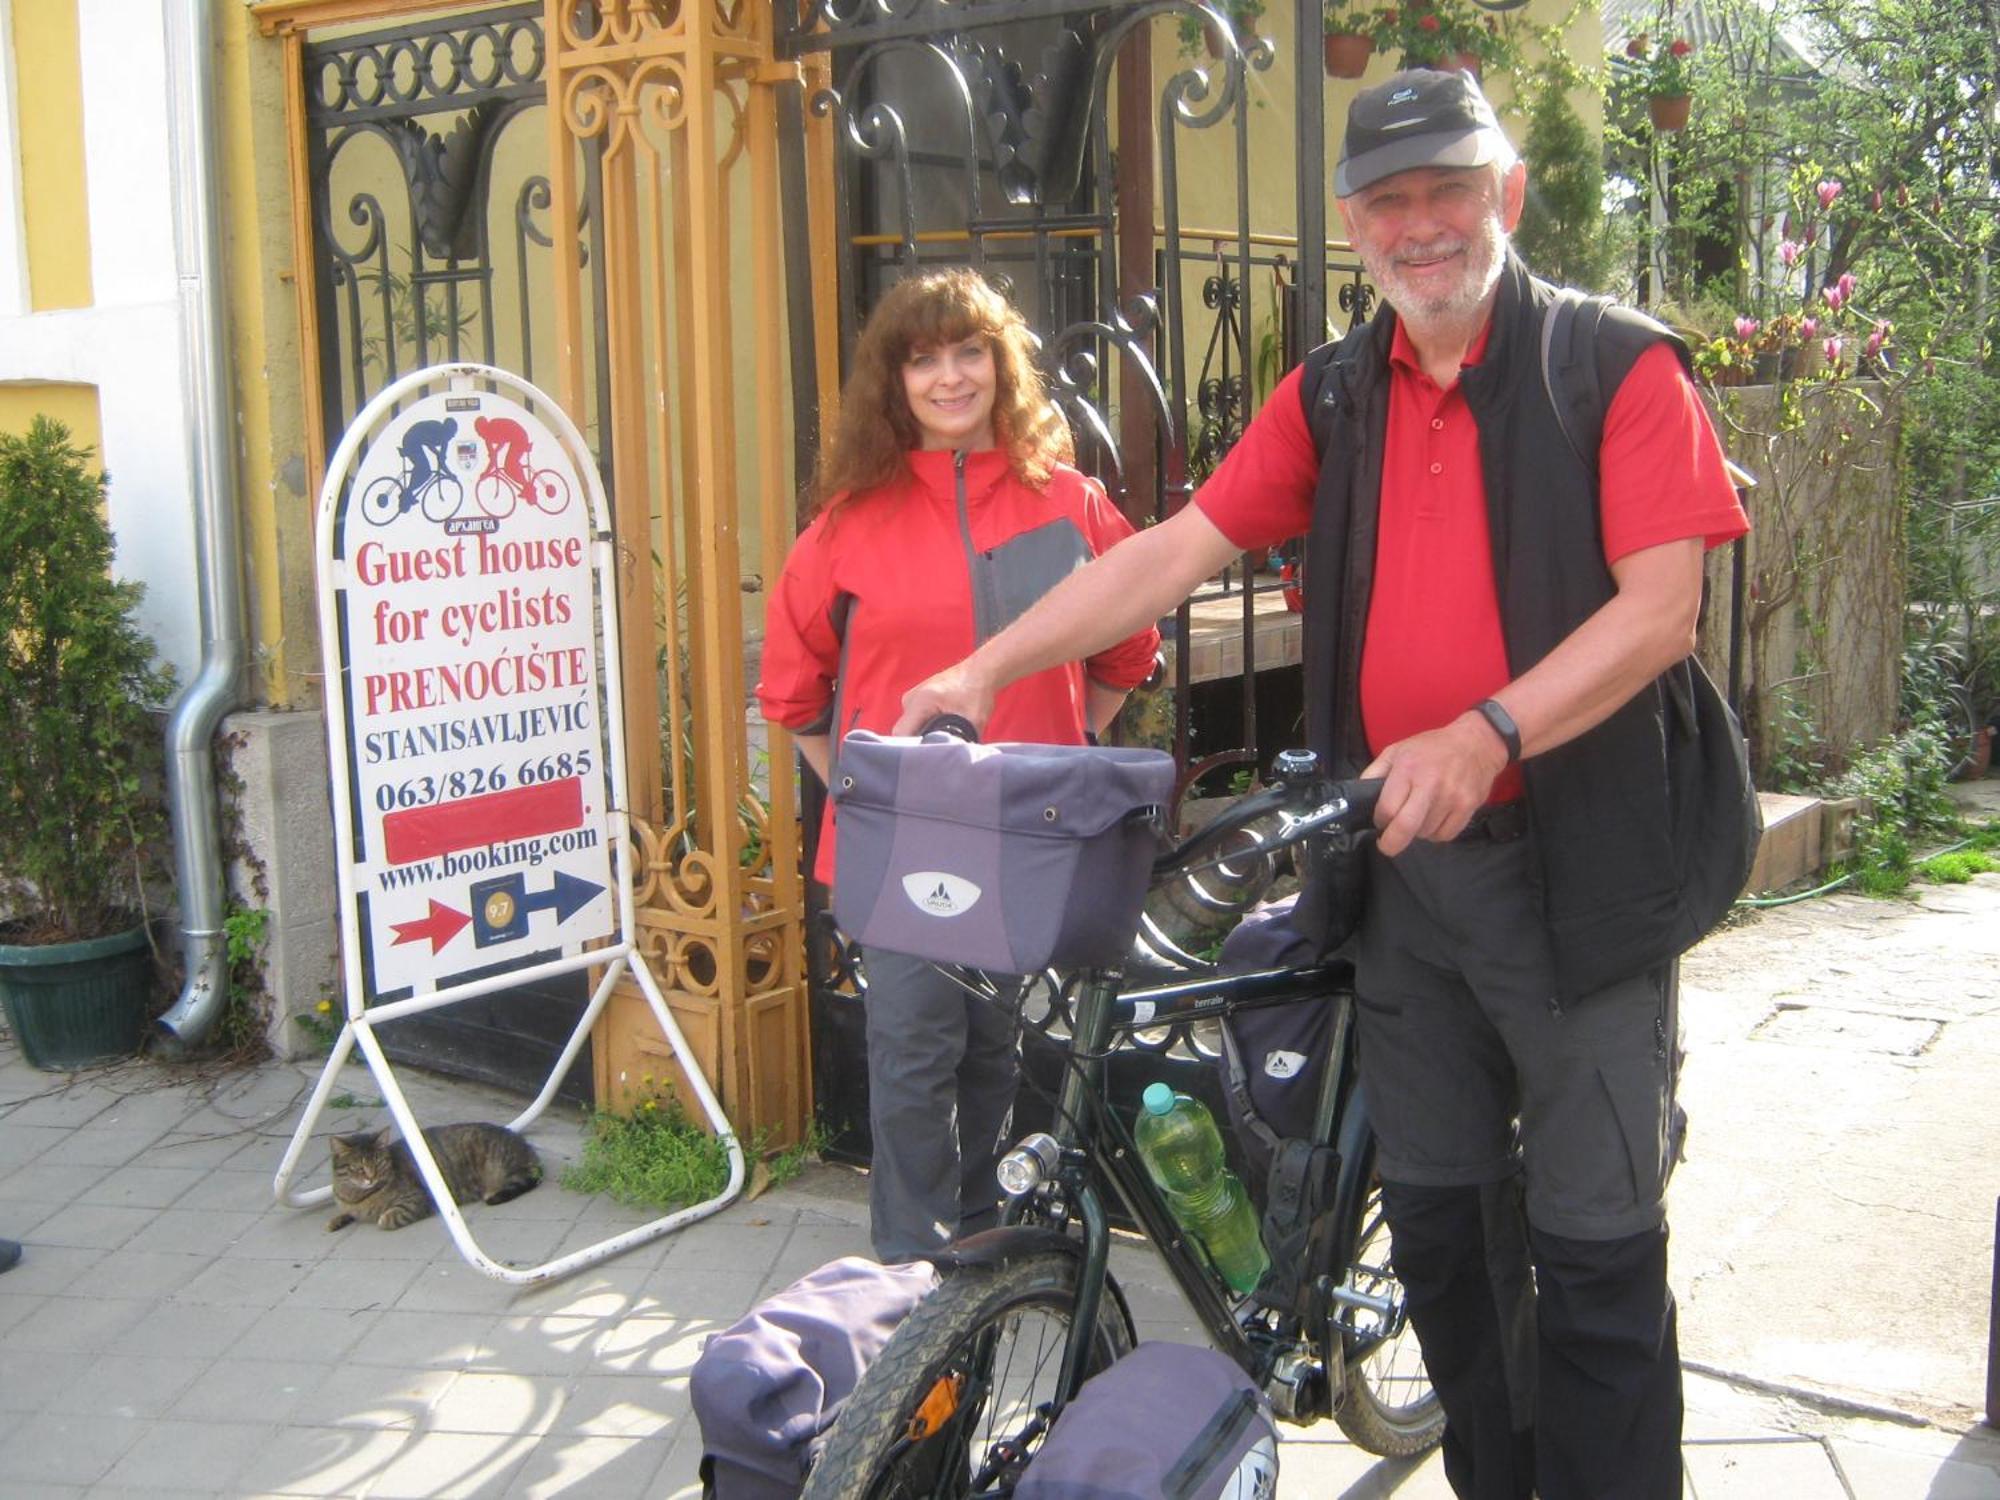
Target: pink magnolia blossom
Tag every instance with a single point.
(1746, 329)
(1808, 328)
(1788, 253)
(1829, 189)
(1875, 201)
(1834, 298)
(1874, 345)
(1831, 349)
(1846, 285)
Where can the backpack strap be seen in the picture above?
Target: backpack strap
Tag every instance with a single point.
(1589, 345)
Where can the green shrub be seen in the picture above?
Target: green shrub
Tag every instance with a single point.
(82, 820)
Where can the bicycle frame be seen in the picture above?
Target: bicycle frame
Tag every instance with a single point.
(1092, 1154)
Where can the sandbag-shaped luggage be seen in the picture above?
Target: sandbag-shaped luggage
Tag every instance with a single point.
(1166, 1422)
(1005, 857)
(767, 1388)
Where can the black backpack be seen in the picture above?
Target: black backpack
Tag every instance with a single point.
(1589, 345)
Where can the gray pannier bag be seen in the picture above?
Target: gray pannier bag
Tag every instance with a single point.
(1005, 857)
(767, 1388)
(1166, 1422)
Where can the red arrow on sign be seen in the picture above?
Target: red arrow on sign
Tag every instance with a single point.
(441, 926)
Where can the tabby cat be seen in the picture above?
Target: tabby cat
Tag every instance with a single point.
(376, 1178)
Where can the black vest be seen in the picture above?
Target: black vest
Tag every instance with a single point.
(1599, 807)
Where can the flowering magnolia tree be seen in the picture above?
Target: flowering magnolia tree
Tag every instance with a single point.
(1831, 225)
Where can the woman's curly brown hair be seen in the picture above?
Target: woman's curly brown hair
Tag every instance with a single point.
(875, 428)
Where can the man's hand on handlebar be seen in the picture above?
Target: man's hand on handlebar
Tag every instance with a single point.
(1434, 782)
(956, 691)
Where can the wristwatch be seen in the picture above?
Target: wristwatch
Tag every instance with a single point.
(1503, 725)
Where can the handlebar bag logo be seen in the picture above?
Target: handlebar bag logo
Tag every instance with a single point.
(940, 894)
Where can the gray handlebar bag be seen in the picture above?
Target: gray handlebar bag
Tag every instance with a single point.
(1166, 1422)
(766, 1389)
(1005, 857)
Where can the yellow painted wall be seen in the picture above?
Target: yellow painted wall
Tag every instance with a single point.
(277, 495)
(75, 406)
(1207, 157)
(48, 107)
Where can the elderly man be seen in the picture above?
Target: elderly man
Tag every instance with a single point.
(1495, 624)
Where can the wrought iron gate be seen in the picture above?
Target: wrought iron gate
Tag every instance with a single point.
(425, 148)
(1020, 136)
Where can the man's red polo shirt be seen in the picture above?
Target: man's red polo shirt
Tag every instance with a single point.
(1434, 645)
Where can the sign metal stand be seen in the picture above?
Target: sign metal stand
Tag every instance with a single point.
(475, 723)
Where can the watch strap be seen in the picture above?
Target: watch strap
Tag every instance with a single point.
(1503, 725)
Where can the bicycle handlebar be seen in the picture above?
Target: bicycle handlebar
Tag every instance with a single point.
(1311, 805)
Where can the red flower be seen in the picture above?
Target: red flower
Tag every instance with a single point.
(1681, 47)
(1427, 23)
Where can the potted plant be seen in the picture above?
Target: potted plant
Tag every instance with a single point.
(1667, 79)
(82, 820)
(1448, 34)
(1194, 32)
(1351, 30)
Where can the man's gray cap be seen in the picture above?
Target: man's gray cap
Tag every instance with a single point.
(1418, 118)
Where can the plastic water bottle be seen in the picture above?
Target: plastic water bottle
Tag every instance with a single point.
(1182, 1150)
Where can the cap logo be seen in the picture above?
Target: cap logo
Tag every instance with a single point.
(1402, 96)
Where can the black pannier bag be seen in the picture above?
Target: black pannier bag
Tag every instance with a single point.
(1004, 857)
(1272, 1061)
(766, 1389)
(1166, 1422)
(1272, 1056)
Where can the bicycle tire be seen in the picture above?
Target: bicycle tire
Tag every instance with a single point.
(382, 501)
(442, 497)
(548, 492)
(494, 495)
(868, 1457)
(1387, 1406)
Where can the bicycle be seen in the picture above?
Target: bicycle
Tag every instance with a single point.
(424, 480)
(506, 480)
(958, 1400)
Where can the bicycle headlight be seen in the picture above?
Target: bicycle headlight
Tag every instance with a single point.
(1028, 1165)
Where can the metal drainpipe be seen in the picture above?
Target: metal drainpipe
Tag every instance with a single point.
(191, 793)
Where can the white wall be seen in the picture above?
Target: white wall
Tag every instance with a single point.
(128, 344)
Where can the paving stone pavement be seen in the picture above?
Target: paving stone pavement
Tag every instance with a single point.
(173, 1331)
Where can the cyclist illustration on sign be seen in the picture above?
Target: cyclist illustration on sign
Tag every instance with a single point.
(425, 479)
(507, 479)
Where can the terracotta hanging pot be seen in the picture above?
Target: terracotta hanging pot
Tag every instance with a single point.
(1347, 55)
(1467, 62)
(1669, 111)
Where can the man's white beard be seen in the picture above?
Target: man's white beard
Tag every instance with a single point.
(1457, 305)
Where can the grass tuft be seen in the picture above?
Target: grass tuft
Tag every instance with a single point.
(1957, 867)
(657, 1157)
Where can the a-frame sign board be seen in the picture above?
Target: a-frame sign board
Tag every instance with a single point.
(469, 625)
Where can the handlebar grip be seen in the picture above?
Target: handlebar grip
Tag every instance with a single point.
(1363, 795)
(956, 725)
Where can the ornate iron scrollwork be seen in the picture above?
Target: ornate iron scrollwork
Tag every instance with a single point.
(440, 95)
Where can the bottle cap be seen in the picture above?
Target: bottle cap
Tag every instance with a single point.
(1158, 1099)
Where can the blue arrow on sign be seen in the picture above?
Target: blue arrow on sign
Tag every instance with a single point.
(500, 906)
(567, 893)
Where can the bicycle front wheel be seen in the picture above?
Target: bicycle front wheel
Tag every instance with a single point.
(1388, 1406)
(958, 1400)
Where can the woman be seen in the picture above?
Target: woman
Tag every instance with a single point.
(944, 508)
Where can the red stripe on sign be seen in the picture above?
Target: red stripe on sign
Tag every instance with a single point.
(473, 822)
